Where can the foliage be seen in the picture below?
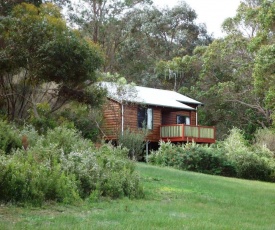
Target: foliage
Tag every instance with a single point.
(62, 166)
(193, 157)
(43, 61)
(6, 6)
(45, 120)
(250, 163)
(9, 138)
(24, 179)
(118, 175)
(265, 138)
(155, 35)
(134, 141)
(136, 34)
(233, 75)
(264, 75)
(232, 157)
(85, 119)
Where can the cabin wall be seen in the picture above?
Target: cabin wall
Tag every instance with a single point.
(111, 120)
(154, 134)
(171, 117)
(130, 117)
(131, 121)
(112, 116)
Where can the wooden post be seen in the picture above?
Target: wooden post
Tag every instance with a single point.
(147, 151)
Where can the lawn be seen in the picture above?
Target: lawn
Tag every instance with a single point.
(174, 200)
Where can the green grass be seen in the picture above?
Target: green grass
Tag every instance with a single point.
(174, 200)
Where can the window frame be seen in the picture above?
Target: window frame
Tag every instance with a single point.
(185, 119)
(145, 117)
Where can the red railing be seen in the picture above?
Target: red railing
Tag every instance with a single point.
(176, 133)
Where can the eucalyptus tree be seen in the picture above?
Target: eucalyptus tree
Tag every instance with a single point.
(134, 34)
(43, 61)
(239, 71)
(235, 79)
(6, 6)
(245, 22)
(264, 67)
(255, 22)
(103, 21)
(158, 34)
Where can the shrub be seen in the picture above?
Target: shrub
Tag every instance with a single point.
(9, 138)
(251, 166)
(118, 176)
(64, 167)
(193, 157)
(164, 155)
(235, 143)
(66, 139)
(85, 120)
(251, 163)
(46, 119)
(31, 134)
(84, 165)
(265, 138)
(27, 179)
(134, 141)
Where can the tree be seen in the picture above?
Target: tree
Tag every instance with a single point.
(158, 34)
(235, 75)
(257, 17)
(6, 6)
(135, 35)
(103, 21)
(234, 67)
(44, 61)
(181, 73)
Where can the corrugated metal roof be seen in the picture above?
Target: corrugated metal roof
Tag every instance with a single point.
(149, 96)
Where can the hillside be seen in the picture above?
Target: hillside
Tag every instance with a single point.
(174, 200)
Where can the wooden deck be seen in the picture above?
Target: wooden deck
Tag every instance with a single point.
(187, 133)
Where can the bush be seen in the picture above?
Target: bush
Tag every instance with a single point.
(27, 179)
(63, 167)
(9, 138)
(119, 177)
(235, 143)
(265, 138)
(85, 120)
(193, 157)
(66, 139)
(250, 166)
(134, 142)
(250, 162)
(46, 119)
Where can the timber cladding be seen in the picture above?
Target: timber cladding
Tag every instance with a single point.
(170, 117)
(131, 121)
(111, 120)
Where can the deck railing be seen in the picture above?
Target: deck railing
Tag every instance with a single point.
(182, 132)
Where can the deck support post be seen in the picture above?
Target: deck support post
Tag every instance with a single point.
(122, 119)
(147, 151)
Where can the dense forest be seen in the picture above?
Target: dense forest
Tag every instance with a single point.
(53, 51)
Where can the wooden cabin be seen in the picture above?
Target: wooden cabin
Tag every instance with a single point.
(168, 115)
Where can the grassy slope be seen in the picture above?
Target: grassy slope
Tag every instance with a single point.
(174, 200)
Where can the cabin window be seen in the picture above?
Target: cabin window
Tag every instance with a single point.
(145, 118)
(183, 120)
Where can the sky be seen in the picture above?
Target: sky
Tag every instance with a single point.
(210, 12)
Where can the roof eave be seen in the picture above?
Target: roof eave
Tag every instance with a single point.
(140, 103)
